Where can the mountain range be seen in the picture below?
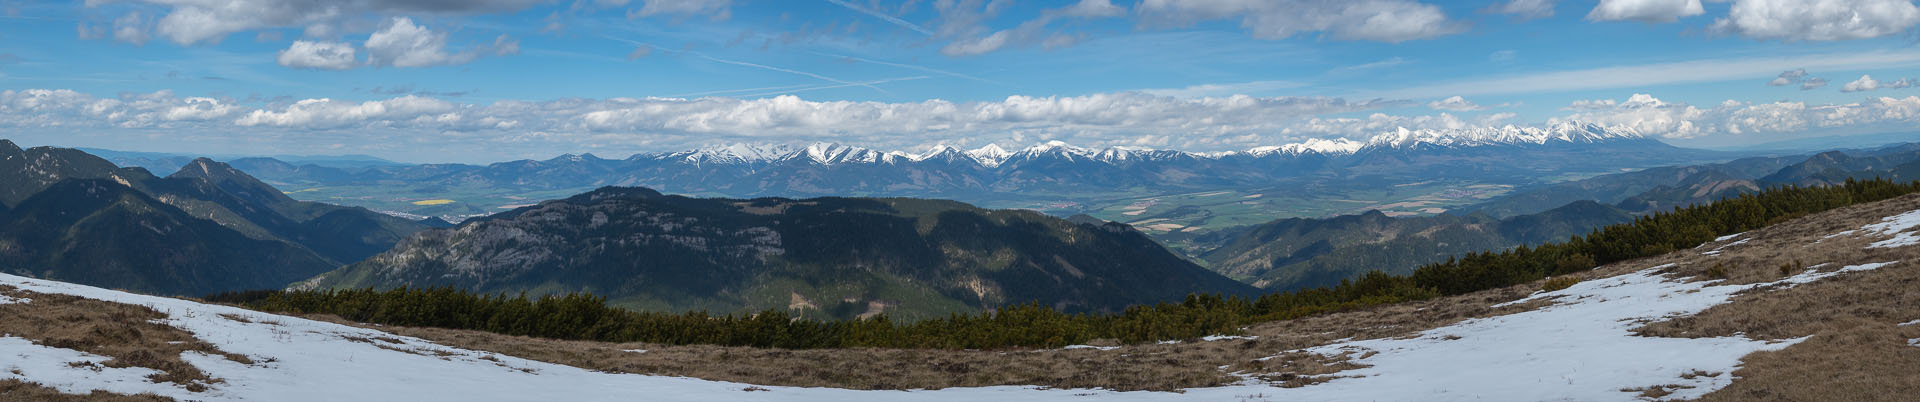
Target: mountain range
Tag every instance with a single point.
(1031, 177)
(1298, 253)
(821, 257)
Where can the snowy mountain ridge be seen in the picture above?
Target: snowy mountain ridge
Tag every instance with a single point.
(993, 155)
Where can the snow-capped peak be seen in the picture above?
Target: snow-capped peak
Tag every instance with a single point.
(1563, 132)
(936, 151)
(990, 155)
(733, 153)
(1337, 146)
(830, 154)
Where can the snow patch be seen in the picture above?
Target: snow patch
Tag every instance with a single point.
(1579, 349)
(635, 350)
(1215, 338)
(72, 371)
(1900, 226)
(1728, 237)
(1717, 250)
(1073, 347)
(4, 299)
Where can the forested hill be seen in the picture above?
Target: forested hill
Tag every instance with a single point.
(1304, 253)
(823, 257)
(71, 216)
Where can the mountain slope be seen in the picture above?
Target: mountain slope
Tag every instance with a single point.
(209, 226)
(1301, 253)
(825, 257)
(103, 233)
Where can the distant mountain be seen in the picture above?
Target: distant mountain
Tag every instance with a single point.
(1518, 154)
(1300, 253)
(168, 162)
(823, 257)
(208, 215)
(102, 233)
(1834, 167)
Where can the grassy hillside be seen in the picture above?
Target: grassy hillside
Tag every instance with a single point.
(823, 257)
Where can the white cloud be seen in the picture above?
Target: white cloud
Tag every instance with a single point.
(1093, 9)
(1523, 9)
(1818, 20)
(971, 43)
(1204, 90)
(635, 124)
(1648, 11)
(131, 28)
(328, 113)
(1812, 83)
(401, 43)
(1375, 20)
(67, 108)
(318, 55)
(1789, 77)
(718, 9)
(1631, 76)
(195, 21)
(1652, 116)
(1867, 83)
(1455, 104)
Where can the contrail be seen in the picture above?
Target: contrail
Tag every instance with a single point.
(915, 67)
(754, 65)
(876, 14)
(790, 71)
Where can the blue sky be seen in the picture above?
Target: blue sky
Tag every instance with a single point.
(488, 80)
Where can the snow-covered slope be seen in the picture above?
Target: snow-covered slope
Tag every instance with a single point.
(1578, 349)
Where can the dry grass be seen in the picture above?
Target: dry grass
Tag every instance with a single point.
(19, 391)
(1163, 367)
(125, 333)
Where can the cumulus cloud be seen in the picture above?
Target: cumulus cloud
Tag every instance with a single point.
(1455, 104)
(1652, 116)
(401, 43)
(1113, 119)
(1867, 83)
(318, 55)
(1375, 20)
(1648, 11)
(1523, 9)
(328, 113)
(1817, 20)
(1099, 119)
(67, 108)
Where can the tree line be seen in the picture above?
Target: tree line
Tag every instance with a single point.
(588, 317)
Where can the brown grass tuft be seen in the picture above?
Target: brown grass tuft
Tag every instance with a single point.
(128, 334)
(21, 391)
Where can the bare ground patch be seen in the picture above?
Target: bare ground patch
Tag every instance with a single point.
(20, 391)
(1857, 351)
(128, 334)
(1270, 356)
